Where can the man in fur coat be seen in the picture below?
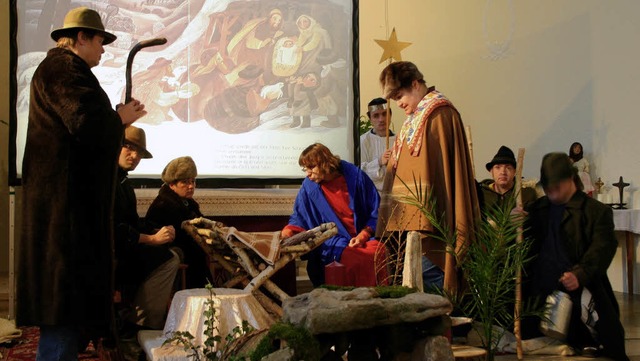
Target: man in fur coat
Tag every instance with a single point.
(69, 168)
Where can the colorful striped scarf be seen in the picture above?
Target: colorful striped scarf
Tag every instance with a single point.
(413, 126)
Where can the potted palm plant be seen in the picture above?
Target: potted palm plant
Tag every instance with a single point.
(489, 264)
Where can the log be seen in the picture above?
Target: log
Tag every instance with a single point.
(412, 273)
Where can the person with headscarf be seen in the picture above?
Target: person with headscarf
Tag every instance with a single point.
(576, 153)
(254, 42)
(311, 40)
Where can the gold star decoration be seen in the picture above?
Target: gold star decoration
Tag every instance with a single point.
(392, 47)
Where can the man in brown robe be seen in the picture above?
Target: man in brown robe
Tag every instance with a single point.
(431, 153)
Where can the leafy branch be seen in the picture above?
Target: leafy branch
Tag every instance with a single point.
(208, 351)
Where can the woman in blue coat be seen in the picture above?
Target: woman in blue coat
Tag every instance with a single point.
(339, 192)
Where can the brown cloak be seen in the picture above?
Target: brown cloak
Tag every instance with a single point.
(444, 168)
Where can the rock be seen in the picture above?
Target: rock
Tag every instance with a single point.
(324, 311)
(433, 348)
(286, 354)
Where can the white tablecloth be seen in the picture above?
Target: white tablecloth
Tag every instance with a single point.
(627, 220)
(187, 314)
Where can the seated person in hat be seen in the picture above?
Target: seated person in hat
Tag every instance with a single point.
(175, 204)
(374, 153)
(146, 266)
(495, 191)
(573, 245)
(339, 192)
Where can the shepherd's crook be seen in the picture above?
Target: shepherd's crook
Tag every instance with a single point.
(518, 307)
(132, 53)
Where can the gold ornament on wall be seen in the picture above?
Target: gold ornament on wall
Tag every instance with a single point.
(392, 47)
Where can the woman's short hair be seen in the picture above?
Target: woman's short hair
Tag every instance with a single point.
(319, 155)
(70, 37)
(397, 76)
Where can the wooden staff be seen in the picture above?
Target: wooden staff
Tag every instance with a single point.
(387, 116)
(132, 53)
(467, 130)
(518, 306)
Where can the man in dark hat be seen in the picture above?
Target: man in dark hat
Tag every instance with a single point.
(146, 267)
(495, 191)
(374, 153)
(65, 261)
(573, 244)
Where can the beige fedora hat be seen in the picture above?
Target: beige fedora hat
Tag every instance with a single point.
(137, 137)
(83, 18)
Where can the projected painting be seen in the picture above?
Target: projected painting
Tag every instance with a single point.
(241, 86)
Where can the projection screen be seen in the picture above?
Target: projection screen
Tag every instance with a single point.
(241, 86)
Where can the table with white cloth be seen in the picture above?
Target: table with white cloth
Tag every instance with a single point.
(186, 313)
(628, 221)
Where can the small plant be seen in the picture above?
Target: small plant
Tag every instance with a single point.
(393, 261)
(299, 339)
(208, 351)
(364, 124)
(489, 263)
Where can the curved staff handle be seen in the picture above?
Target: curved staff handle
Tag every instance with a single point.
(132, 53)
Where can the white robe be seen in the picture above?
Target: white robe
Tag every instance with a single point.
(372, 147)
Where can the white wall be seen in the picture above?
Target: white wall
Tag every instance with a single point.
(569, 73)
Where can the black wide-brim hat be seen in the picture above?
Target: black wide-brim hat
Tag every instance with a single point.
(83, 18)
(557, 167)
(504, 156)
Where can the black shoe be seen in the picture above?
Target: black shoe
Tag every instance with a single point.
(589, 351)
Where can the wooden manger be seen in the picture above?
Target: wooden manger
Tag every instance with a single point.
(248, 259)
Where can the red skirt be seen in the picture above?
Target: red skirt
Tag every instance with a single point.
(359, 267)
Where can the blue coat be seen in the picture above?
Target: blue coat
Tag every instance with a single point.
(311, 209)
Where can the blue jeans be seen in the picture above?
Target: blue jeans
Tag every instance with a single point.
(432, 275)
(58, 343)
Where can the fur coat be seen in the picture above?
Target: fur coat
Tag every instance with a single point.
(169, 209)
(65, 253)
